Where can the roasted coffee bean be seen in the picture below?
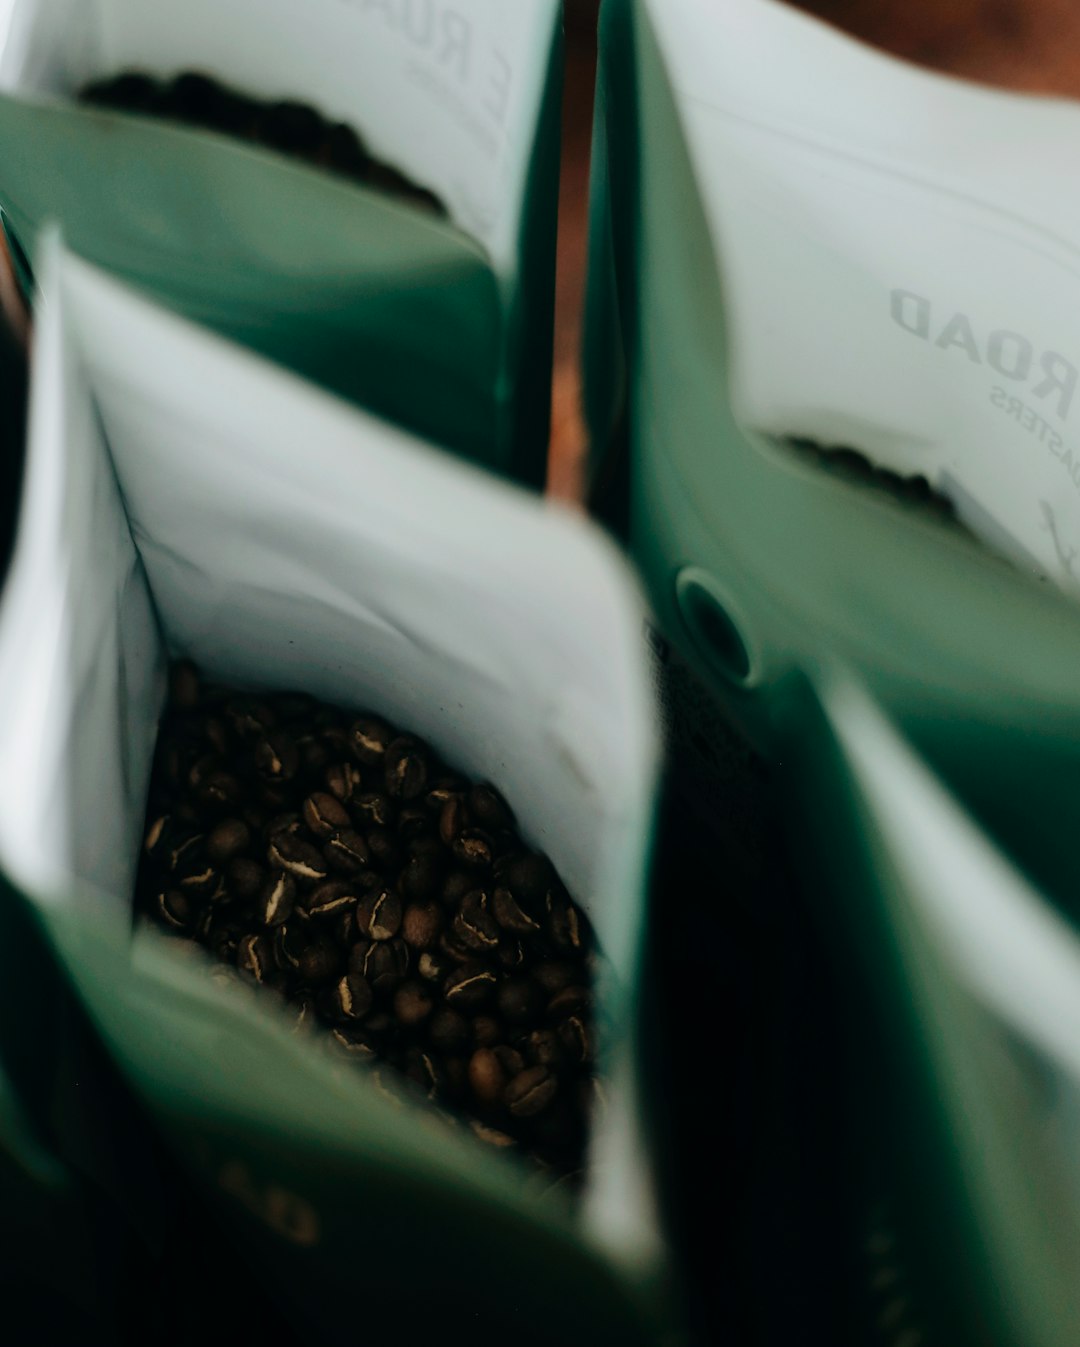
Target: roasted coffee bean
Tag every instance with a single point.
(456, 885)
(302, 1013)
(574, 1035)
(531, 1091)
(290, 940)
(201, 881)
(275, 756)
(491, 1136)
(442, 790)
(383, 848)
(406, 768)
(469, 986)
(486, 1031)
(434, 966)
(331, 899)
(489, 809)
(421, 924)
(374, 809)
(187, 855)
(353, 996)
(572, 1000)
(158, 839)
(176, 910)
(519, 1001)
(244, 877)
(487, 1077)
(228, 839)
(325, 816)
(419, 880)
(474, 925)
(424, 1070)
(369, 738)
(454, 949)
(512, 955)
(413, 825)
(413, 1003)
(303, 861)
(509, 914)
(473, 848)
(276, 899)
(347, 854)
(453, 819)
(563, 926)
(378, 915)
(386, 964)
(318, 962)
(544, 1048)
(255, 957)
(528, 876)
(355, 1043)
(343, 781)
(553, 975)
(448, 1030)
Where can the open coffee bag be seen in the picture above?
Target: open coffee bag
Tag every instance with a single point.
(443, 325)
(185, 498)
(849, 264)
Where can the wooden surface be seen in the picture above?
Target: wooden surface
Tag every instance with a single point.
(1028, 45)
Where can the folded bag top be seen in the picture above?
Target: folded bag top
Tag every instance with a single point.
(437, 324)
(866, 255)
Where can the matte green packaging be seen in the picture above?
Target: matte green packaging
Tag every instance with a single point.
(167, 511)
(441, 326)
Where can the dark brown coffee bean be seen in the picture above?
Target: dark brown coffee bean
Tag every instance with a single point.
(303, 861)
(386, 964)
(564, 928)
(331, 899)
(474, 925)
(353, 996)
(544, 1048)
(491, 1136)
(442, 791)
(276, 899)
(453, 819)
(489, 809)
(158, 838)
(512, 955)
(419, 880)
(574, 1035)
(486, 1031)
(509, 914)
(456, 885)
(421, 924)
(434, 966)
(374, 809)
(354, 1043)
(255, 957)
(528, 876)
(347, 854)
(343, 781)
(368, 739)
(378, 915)
(455, 949)
(531, 1091)
(406, 768)
(202, 881)
(413, 824)
(325, 816)
(487, 1077)
(176, 910)
(413, 1003)
(572, 1000)
(473, 848)
(282, 822)
(318, 963)
(289, 942)
(519, 1001)
(244, 877)
(470, 986)
(554, 975)
(187, 855)
(358, 951)
(275, 757)
(384, 850)
(302, 1014)
(448, 1030)
(250, 719)
(227, 840)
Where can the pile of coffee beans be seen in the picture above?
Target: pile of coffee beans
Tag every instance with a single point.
(292, 128)
(336, 860)
(854, 465)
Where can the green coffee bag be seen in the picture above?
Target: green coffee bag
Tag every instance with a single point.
(441, 324)
(169, 510)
